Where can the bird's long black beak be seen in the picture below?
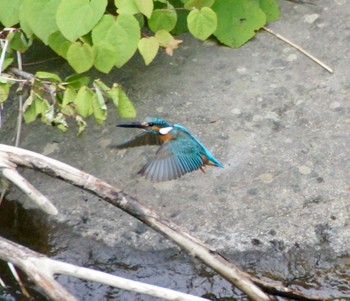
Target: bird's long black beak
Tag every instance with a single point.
(140, 125)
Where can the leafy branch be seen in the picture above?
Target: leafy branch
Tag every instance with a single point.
(104, 34)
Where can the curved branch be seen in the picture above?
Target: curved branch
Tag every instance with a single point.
(248, 284)
(41, 270)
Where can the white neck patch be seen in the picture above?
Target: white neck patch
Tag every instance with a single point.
(166, 130)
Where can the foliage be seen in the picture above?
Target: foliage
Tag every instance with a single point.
(105, 34)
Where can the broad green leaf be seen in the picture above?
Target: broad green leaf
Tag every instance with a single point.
(9, 12)
(48, 75)
(163, 37)
(125, 107)
(33, 106)
(238, 20)
(68, 97)
(76, 81)
(80, 57)
(59, 44)
(24, 25)
(4, 91)
(83, 102)
(41, 17)
(7, 62)
(199, 3)
(131, 7)
(202, 23)
(162, 19)
(271, 9)
(105, 56)
(100, 112)
(148, 48)
(122, 32)
(18, 41)
(78, 17)
(145, 7)
(127, 7)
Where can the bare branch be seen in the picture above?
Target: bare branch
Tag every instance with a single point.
(35, 195)
(248, 284)
(44, 268)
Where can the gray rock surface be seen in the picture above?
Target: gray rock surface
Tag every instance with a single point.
(277, 121)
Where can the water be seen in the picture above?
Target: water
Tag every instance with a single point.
(169, 268)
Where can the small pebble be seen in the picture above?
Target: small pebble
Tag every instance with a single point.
(334, 105)
(266, 177)
(292, 57)
(304, 170)
(311, 18)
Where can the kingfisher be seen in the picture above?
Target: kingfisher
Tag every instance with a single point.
(179, 153)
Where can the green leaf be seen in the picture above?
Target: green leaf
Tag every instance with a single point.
(59, 44)
(100, 112)
(4, 91)
(113, 94)
(24, 25)
(76, 81)
(131, 7)
(163, 37)
(162, 19)
(48, 75)
(41, 17)
(202, 23)
(9, 12)
(198, 3)
(80, 57)
(271, 9)
(145, 7)
(7, 62)
(78, 17)
(18, 41)
(238, 20)
(83, 102)
(148, 48)
(33, 106)
(68, 97)
(105, 56)
(127, 7)
(122, 32)
(125, 107)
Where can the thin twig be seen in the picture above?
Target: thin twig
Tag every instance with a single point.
(16, 276)
(20, 103)
(303, 51)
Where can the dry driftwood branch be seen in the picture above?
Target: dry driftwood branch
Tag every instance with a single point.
(42, 269)
(116, 197)
(22, 258)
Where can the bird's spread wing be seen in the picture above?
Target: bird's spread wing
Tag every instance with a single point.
(144, 138)
(173, 159)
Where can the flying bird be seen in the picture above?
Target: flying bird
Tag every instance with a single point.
(180, 152)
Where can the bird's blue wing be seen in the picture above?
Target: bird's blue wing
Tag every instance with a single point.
(174, 158)
(144, 138)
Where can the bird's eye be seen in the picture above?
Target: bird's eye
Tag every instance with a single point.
(150, 124)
